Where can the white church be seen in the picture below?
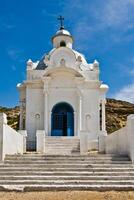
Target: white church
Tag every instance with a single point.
(63, 94)
(62, 107)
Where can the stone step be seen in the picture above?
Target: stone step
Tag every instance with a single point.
(64, 147)
(66, 158)
(62, 142)
(64, 187)
(46, 169)
(67, 174)
(59, 178)
(61, 138)
(67, 165)
(54, 161)
(61, 145)
(55, 173)
(31, 172)
(60, 149)
(49, 162)
(66, 182)
(36, 155)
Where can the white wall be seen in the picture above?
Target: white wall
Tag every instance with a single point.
(34, 106)
(117, 142)
(122, 141)
(11, 142)
(90, 106)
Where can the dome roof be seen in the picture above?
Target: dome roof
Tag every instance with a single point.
(42, 65)
(62, 32)
(104, 87)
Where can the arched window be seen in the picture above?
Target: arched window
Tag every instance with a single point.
(62, 44)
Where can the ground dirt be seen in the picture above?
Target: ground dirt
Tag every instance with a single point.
(68, 195)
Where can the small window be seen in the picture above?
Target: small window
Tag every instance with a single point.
(62, 44)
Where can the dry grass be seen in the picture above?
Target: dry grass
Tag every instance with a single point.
(68, 195)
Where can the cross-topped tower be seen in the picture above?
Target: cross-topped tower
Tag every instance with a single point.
(61, 22)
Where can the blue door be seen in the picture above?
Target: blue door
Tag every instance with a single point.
(62, 120)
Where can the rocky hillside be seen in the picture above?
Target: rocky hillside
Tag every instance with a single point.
(116, 114)
(12, 116)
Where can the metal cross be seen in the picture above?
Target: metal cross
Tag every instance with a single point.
(61, 21)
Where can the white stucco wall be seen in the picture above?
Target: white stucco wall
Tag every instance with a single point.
(90, 106)
(11, 142)
(117, 142)
(34, 107)
(68, 86)
(63, 89)
(122, 141)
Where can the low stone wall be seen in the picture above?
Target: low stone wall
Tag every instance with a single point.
(88, 142)
(122, 141)
(11, 142)
(117, 142)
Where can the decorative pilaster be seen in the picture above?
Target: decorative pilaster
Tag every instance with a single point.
(46, 81)
(103, 132)
(103, 116)
(46, 111)
(75, 122)
(22, 110)
(79, 110)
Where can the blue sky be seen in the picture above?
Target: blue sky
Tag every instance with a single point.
(102, 30)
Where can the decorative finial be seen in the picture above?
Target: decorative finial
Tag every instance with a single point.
(61, 22)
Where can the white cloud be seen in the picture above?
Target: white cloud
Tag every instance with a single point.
(116, 12)
(95, 19)
(126, 93)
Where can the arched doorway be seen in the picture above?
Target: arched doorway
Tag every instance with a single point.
(62, 120)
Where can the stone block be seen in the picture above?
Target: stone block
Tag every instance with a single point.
(40, 141)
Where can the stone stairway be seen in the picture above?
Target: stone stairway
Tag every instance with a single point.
(36, 172)
(62, 145)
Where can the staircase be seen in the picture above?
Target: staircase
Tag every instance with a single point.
(62, 145)
(30, 172)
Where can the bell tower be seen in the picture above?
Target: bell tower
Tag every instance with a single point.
(62, 38)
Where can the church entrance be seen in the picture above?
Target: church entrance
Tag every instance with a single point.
(62, 120)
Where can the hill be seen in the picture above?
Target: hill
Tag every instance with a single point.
(116, 114)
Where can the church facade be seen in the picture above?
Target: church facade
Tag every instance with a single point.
(62, 94)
